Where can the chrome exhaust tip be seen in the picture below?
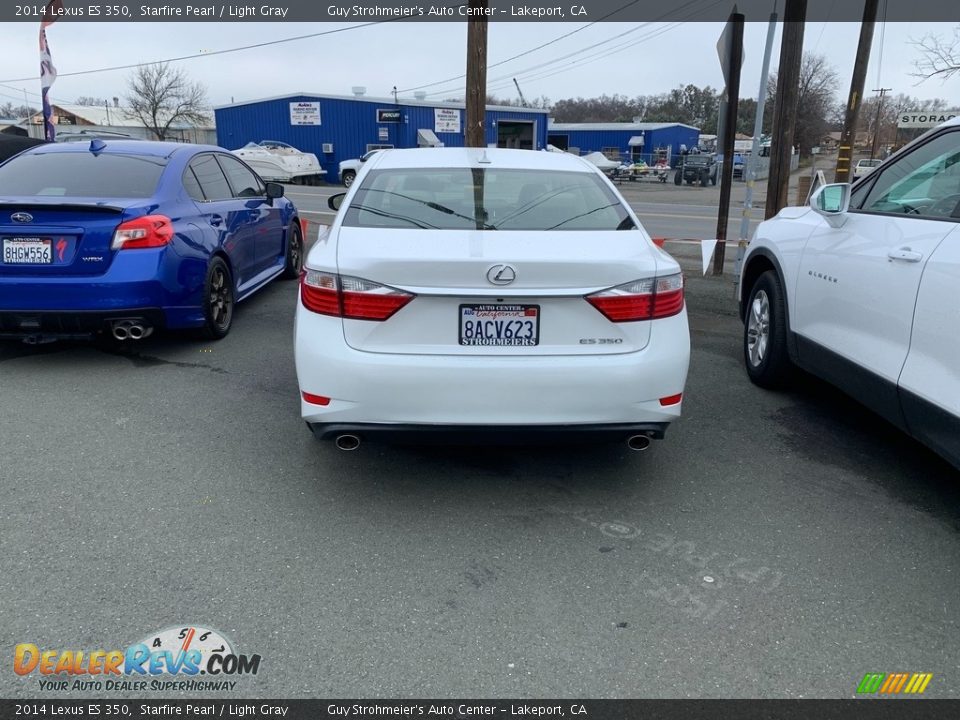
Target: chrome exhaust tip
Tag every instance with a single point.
(638, 443)
(130, 329)
(138, 332)
(347, 442)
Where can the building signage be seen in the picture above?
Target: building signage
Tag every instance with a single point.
(925, 119)
(389, 116)
(383, 133)
(304, 113)
(446, 120)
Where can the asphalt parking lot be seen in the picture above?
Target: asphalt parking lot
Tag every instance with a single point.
(773, 545)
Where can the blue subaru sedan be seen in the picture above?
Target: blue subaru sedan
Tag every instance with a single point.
(121, 238)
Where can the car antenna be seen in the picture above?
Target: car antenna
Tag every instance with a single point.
(96, 145)
(483, 158)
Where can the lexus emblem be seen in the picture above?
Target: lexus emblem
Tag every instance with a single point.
(22, 217)
(501, 274)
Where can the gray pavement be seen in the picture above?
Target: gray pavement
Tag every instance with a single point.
(773, 545)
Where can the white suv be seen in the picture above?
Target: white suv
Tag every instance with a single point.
(861, 287)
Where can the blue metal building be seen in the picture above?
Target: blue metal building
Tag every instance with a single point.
(624, 141)
(337, 128)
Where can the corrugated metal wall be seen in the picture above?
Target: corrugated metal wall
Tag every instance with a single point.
(350, 126)
(588, 141)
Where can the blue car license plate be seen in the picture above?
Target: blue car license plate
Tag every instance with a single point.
(27, 251)
(499, 325)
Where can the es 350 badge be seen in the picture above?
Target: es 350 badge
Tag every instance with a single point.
(185, 651)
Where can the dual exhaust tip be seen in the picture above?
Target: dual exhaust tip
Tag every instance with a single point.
(347, 442)
(134, 329)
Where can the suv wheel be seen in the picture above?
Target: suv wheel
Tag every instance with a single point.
(348, 177)
(765, 333)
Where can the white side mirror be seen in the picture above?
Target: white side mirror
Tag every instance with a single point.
(832, 201)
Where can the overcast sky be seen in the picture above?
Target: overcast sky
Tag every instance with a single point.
(644, 59)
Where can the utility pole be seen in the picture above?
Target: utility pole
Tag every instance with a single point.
(750, 170)
(523, 100)
(876, 124)
(735, 59)
(849, 135)
(476, 73)
(785, 109)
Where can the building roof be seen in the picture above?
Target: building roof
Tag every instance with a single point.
(626, 127)
(380, 101)
(104, 116)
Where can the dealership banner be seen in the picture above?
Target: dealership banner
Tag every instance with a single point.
(354, 11)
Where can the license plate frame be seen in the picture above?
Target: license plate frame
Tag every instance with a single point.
(11, 243)
(509, 334)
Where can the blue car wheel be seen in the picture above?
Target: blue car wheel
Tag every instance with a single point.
(218, 300)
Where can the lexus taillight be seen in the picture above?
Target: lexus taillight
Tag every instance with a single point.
(149, 231)
(349, 297)
(646, 299)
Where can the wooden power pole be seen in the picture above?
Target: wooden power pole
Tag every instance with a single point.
(785, 108)
(734, 59)
(876, 124)
(476, 74)
(849, 134)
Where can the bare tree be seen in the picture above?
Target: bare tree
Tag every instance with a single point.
(91, 101)
(938, 57)
(160, 96)
(10, 110)
(816, 103)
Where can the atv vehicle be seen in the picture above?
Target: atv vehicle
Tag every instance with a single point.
(697, 168)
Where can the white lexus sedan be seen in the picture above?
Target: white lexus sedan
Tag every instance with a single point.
(488, 295)
(861, 288)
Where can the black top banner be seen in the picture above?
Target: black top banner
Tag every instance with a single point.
(258, 709)
(453, 11)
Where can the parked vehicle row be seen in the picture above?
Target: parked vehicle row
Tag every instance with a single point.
(491, 293)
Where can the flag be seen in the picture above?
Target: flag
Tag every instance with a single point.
(48, 73)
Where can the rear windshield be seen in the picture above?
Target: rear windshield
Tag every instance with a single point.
(487, 199)
(75, 174)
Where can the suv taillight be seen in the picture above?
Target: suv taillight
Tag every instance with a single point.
(149, 231)
(646, 299)
(349, 297)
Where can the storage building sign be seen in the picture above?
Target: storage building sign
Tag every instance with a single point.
(446, 120)
(304, 113)
(925, 119)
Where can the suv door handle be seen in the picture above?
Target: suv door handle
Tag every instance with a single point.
(216, 220)
(905, 254)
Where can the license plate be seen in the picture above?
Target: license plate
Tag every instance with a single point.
(27, 251)
(499, 325)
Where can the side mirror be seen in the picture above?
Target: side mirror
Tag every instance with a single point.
(831, 200)
(274, 190)
(335, 201)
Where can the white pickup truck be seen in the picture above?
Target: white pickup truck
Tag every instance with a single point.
(349, 168)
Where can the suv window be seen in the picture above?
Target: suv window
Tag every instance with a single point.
(242, 179)
(925, 183)
(211, 178)
(81, 174)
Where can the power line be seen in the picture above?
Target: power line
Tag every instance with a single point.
(525, 52)
(603, 53)
(214, 52)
